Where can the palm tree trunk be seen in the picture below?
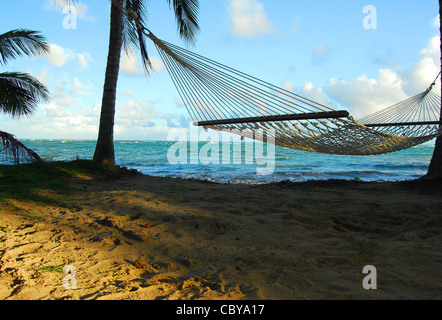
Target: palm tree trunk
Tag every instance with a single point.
(435, 168)
(104, 150)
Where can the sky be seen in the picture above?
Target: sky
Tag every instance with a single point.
(358, 55)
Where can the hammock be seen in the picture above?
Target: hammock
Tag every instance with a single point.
(222, 98)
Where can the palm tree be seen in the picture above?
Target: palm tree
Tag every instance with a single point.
(19, 92)
(435, 168)
(125, 34)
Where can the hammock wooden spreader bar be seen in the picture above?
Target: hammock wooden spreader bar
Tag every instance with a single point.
(398, 124)
(282, 117)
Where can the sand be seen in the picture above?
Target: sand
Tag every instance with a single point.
(159, 238)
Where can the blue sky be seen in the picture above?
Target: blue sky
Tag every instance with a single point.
(317, 48)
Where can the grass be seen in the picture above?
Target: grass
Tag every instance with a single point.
(58, 268)
(45, 183)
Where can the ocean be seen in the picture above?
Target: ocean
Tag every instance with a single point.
(243, 162)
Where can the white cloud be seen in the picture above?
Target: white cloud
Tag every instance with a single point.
(61, 97)
(83, 59)
(289, 86)
(157, 64)
(364, 96)
(63, 121)
(41, 76)
(249, 19)
(321, 53)
(80, 9)
(432, 50)
(77, 87)
(141, 116)
(311, 92)
(58, 56)
(68, 92)
(181, 122)
(308, 90)
(180, 103)
(135, 114)
(130, 65)
(96, 110)
(126, 93)
(419, 76)
(435, 23)
(53, 110)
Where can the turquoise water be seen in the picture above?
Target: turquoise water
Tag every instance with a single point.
(151, 158)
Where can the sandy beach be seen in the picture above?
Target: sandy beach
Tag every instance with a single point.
(158, 238)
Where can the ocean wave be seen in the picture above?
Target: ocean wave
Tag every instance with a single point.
(150, 157)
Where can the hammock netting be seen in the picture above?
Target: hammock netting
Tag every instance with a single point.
(222, 98)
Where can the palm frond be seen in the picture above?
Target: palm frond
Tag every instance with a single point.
(133, 36)
(147, 65)
(12, 149)
(62, 3)
(186, 14)
(20, 93)
(130, 34)
(20, 42)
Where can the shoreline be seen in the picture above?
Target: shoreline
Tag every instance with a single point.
(144, 237)
(288, 165)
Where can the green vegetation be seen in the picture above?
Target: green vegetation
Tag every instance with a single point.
(20, 93)
(45, 183)
(58, 268)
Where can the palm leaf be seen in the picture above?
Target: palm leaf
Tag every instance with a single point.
(20, 93)
(186, 15)
(62, 3)
(130, 34)
(12, 149)
(20, 42)
(133, 36)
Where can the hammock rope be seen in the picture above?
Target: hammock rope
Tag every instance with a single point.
(222, 98)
